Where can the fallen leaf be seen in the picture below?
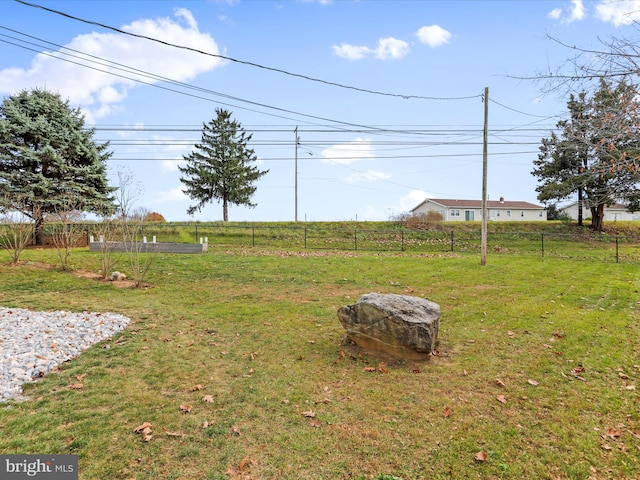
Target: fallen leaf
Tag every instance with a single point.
(369, 369)
(244, 464)
(342, 354)
(446, 412)
(176, 434)
(207, 399)
(579, 369)
(501, 399)
(532, 382)
(314, 422)
(207, 423)
(558, 335)
(511, 334)
(186, 408)
(80, 377)
(416, 370)
(606, 446)
(613, 432)
(480, 456)
(383, 367)
(142, 427)
(630, 387)
(500, 383)
(309, 414)
(195, 388)
(623, 376)
(236, 430)
(76, 386)
(145, 430)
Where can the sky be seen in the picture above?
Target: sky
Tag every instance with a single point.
(386, 97)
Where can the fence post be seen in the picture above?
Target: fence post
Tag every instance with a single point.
(253, 235)
(617, 258)
(196, 232)
(305, 236)
(542, 238)
(355, 239)
(451, 242)
(402, 237)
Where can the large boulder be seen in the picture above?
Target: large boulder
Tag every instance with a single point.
(399, 325)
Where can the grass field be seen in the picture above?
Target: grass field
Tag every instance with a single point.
(237, 360)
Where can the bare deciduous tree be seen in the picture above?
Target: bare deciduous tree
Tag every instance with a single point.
(16, 232)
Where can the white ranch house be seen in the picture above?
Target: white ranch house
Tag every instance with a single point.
(453, 210)
(612, 213)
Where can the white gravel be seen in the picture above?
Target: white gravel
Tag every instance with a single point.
(33, 343)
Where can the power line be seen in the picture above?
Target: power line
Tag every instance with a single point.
(252, 64)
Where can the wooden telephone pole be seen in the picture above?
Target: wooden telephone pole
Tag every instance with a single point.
(483, 241)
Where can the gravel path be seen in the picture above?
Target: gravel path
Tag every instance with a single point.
(33, 343)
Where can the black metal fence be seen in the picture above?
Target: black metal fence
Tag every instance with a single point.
(614, 248)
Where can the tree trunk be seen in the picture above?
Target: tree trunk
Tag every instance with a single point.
(225, 210)
(580, 206)
(597, 218)
(39, 228)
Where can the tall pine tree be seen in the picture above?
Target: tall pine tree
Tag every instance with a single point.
(48, 157)
(222, 166)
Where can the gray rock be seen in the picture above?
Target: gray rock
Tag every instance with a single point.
(399, 325)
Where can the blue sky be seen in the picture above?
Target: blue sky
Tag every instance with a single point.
(386, 95)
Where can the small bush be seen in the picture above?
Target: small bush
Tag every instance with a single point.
(154, 217)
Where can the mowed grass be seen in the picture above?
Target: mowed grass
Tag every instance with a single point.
(237, 360)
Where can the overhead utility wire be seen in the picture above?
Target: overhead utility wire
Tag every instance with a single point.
(134, 71)
(243, 62)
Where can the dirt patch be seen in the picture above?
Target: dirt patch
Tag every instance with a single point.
(98, 278)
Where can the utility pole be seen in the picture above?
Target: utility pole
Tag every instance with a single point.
(297, 139)
(485, 137)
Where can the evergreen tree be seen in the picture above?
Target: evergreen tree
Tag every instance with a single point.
(595, 153)
(220, 168)
(47, 157)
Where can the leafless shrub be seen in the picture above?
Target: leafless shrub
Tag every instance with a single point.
(16, 232)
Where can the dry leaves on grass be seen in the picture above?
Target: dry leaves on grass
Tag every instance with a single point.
(446, 412)
(500, 383)
(501, 399)
(480, 456)
(186, 408)
(195, 388)
(207, 399)
(76, 386)
(532, 382)
(145, 431)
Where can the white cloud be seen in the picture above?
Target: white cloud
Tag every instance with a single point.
(368, 176)
(618, 12)
(350, 52)
(574, 12)
(434, 35)
(413, 199)
(347, 153)
(391, 48)
(387, 48)
(555, 14)
(100, 93)
(169, 196)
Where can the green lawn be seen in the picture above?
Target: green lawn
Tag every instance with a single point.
(538, 367)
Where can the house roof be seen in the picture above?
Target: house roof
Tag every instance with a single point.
(495, 204)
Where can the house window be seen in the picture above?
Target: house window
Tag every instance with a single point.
(498, 213)
(508, 213)
(540, 214)
(455, 213)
